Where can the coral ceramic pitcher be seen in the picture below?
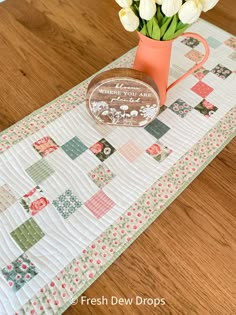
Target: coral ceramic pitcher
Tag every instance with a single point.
(153, 58)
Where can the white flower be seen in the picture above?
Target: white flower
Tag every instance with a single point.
(124, 107)
(124, 3)
(171, 7)
(159, 1)
(128, 19)
(134, 113)
(208, 4)
(190, 11)
(147, 9)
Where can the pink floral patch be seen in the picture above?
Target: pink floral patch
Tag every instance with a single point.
(202, 89)
(34, 201)
(194, 55)
(45, 146)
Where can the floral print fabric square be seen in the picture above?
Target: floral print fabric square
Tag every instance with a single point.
(221, 71)
(194, 55)
(158, 151)
(74, 148)
(202, 89)
(99, 204)
(34, 201)
(7, 197)
(27, 234)
(19, 272)
(206, 108)
(67, 203)
(101, 175)
(45, 146)
(181, 108)
(102, 149)
(200, 73)
(231, 42)
(191, 42)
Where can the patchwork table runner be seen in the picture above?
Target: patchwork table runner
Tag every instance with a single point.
(74, 194)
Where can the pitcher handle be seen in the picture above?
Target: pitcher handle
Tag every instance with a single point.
(198, 65)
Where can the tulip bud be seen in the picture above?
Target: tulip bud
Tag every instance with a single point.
(171, 7)
(190, 11)
(208, 4)
(128, 19)
(147, 9)
(124, 3)
(159, 1)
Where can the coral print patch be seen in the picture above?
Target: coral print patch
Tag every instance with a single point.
(19, 272)
(158, 151)
(45, 146)
(34, 201)
(221, 71)
(180, 108)
(7, 197)
(101, 175)
(202, 89)
(102, 149)
(206, 108)
(67, 203)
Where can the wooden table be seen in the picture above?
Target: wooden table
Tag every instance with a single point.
(188, 256)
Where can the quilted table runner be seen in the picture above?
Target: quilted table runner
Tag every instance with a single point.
(74, 195)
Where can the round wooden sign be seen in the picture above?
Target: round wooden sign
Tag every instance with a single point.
(124, 97)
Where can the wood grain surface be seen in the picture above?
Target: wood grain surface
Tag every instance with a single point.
(188, 256)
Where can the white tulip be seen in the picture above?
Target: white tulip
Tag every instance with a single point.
(171, 7)
(208, 4)
(129, 20)
(159, 1)
(147, 9)
(124, 3)
(190, 11)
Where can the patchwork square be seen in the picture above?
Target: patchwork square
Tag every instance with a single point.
(181, 108)
(233, 56)
(34, 201)
(45, 146)
(194, 55)
(67, 203)
(221, 71)
(191, 42)
(213, 43)
(231, 42)
(101, 175)
(74, 148)
(7, 197)
(158, 151)
(202, 89)
(40, 171)
(99, 204)
(206, 108)
(19, 272)
(200, 73)
(102, 149)
(157, 128)
(130, 151)
(27, 234)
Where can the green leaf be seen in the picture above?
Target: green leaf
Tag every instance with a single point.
(181, 31)
(156, 32)
(159, 15)
(171, 29)
(165, 25)
(180, 25)
(149, 27)
(144, 30)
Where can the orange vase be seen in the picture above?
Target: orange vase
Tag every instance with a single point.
(153, 58)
